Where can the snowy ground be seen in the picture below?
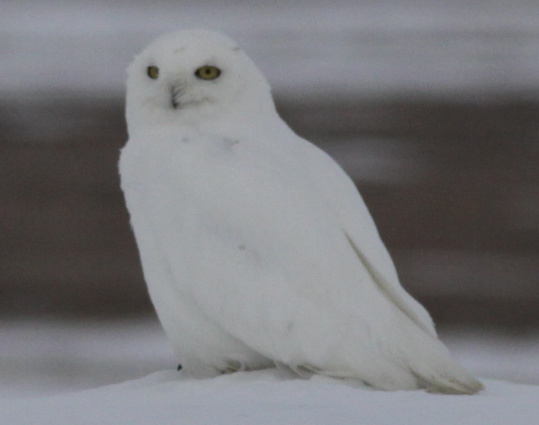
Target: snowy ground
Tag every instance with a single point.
(460, 48)
(40, 359)
(267, 398)
(44, 358)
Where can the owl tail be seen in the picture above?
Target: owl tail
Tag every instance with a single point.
(429, 361)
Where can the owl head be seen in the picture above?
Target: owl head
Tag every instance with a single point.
(193, 76)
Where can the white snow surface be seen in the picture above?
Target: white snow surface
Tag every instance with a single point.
(82, 355)
(366, 47)
(265, 397)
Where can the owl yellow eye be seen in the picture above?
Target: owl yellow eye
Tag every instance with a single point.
(153, 72)
(208, 72)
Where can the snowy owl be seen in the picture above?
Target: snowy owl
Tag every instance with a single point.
(257, 249)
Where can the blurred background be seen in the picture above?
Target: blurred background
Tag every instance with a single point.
(432, 107)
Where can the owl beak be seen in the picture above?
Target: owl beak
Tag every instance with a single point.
(176, 92)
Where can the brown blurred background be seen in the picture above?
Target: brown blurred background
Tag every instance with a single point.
(456, 203)
(449, 169)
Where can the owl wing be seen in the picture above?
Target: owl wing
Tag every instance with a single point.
(360, 230)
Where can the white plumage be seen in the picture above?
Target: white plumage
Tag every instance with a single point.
(256, 246)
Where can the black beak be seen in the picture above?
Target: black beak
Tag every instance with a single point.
(175, 95)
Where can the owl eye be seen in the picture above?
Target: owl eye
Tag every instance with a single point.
(208, 72)
(153, 72)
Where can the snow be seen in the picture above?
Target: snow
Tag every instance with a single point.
(67, 359)
(41, 358)
(461, 48)
(265, 397)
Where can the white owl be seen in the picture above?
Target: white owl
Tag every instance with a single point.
(257, 249)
